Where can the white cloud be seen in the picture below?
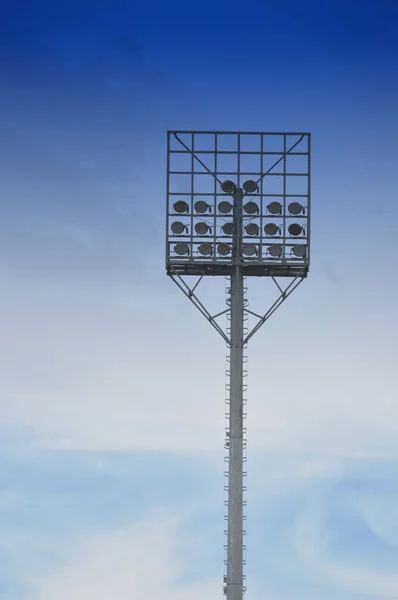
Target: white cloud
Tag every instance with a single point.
(309, 540)
(135, 562)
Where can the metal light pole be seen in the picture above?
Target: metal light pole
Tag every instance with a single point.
(235, 471)
(217, 234)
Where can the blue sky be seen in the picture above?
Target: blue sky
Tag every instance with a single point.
(111, 438)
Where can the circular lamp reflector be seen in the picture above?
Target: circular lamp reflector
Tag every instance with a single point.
(177, 227)
(228, 228)
(180, 206)
(201, 206)
(249, 249)
(251, 208)
(225, 207)
(206, 249)
(250, 186)
(228, 186)
(299, 251)
(201, 228)
(252, 229)
(275, 251)
(295, 229)
(224, 249)
(181, 249)
(275, 208)
(295, 208)
(271, 229)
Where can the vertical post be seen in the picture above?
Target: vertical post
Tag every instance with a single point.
(235, 473)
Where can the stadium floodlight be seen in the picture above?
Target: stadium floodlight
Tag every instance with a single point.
(252, 229)
(295, 208)
(201, 207)
(206, 249)
(251, 208)
(224, 249)
(228, 186)
(227, 228)
(178, 228)
(262, 242)
(275, 251)
(250, 186)
(274, 208)
(180, 207)
(225, 207)
(295, 229)
(202, 228)
(250, 249)
(181, 249)
(299, 250)
(271, 229)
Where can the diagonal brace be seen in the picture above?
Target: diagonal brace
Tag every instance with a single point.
(190, 294)
(281, 298)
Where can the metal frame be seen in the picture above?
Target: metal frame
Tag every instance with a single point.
(236, 266)
(206, 160)
(190, 293)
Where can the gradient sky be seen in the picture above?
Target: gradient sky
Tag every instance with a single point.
(112, 385)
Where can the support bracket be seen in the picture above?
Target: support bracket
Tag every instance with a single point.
(284, 294)
(191, 295)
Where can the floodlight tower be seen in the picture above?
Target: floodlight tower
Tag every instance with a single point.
(212, 230)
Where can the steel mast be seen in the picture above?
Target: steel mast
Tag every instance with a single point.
(210, 231)
(234, 582)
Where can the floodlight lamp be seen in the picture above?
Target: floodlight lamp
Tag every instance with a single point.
(252, 229)
(201, 207)
(251, 208)
(249, 249)
(181, 249)
(201, 228)
(271, 229)
(250, 186)
(295, 229)
(180, 207)
(225, 207)
(228, 228)
(274, 208)
(299, 250)
(205, 249)
(177, 227)
(228, 186)
(224, 249)
(275, 251)
(295, 208)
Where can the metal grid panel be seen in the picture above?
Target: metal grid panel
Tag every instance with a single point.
(275, 219)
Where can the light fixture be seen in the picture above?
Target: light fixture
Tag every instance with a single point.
(251, 208)
(177, 227)
(180, 206)
(249, 249)
(274, 208)
(252, 229)
(228, 186)
(228, 228)
(295, 229)
(250, 186)
(201, 228)
(181, 249)
(205, 249)
(225, 207)
(295, 208)
(275, 251)
(271, 229)
(223, 249)
(299, 250)
(201, 206)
